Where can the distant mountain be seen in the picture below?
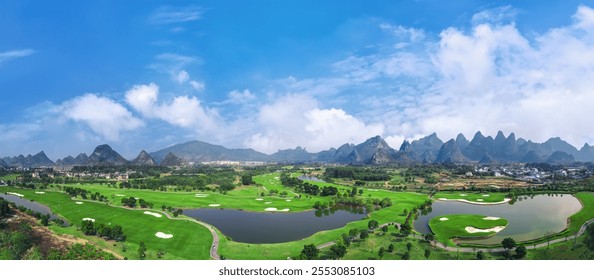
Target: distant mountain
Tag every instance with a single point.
(532, 157)
(450, 152)
(144, 159)
(292, 155)
(38, 160)
(105, 155)
(559, 157)
(586, 153)
(172, 160)
(197, 151)
(3, 164)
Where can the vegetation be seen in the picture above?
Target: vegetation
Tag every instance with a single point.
(454, 226)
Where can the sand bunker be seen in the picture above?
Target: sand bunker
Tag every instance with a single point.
(485, 195)
(200, 195)
(17, 194)
(476, 230)
(463, 194)
(276, 178)
(259, 199)
(214, 205)
(267, 202)
(163, 235)
(39, 192)
(89, 219)
(79, 202)
(153, 214)
(441, 198)
(491, 218)
(120, 195)
(284, 210)
(288, 200)
(480, 199)
(444, 219)
(273, 209)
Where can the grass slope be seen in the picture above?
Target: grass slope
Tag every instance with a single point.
(451, 226)
(190, 240)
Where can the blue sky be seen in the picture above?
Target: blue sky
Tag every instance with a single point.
(277, 74)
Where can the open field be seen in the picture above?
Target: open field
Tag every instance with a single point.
(190, 240)
(489, 182)
(447, 227)
(472, 196)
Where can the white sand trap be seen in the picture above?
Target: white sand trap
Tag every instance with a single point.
(214, 205)
(476, 230)
(267, 202)
(153, 214)
(444, 219)
(120, 195)
(463, 194)
(480, 199)
(79, 202)
(276, 178)
(17, 194)
(271, 209)
(137, 198)
(284, 210)
(39, 192)
(485, 195)
(288, 200)
(89, 219)
(259, 199)
(491, 218)
(442, 198)
(200, 195)
(163, 235)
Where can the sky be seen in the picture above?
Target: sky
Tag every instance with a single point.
(273, 75)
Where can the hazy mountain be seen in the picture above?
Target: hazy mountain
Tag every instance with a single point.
(3, 164)
(586, 153)
(197, 151)
(532, 157)
(69, 160)
(172, 160)
(38, 160)
(559, 157)
(450, 152)
(292, 155)
(430, 143)
(105, 155)
(461, 141)
(144, 159)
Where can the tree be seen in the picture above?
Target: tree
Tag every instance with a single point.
(88, 227)
(391, 248)
(508, 243)
(427, 253)
(142, 251)
(521, 252)
(338, 251)
(364, 234)
(372, 224)
(429, 237)
(310, 251)
(406, 256)
(589, 240)
(381, 252)
(246, 179)
(405, 229)
(385, 229)
(480, 255)
(409, 246)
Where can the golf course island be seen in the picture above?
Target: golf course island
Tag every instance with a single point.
(465, 226)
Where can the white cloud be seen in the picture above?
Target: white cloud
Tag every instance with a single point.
(198, 86)
(169, 15)
(240, 97)
(182, 111)
(14, 54)
(182, 77)
(296, 120)
(103, 115)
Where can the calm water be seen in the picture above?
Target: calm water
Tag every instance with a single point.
(310, 178)
(34, 206)
(528, 218)
(268, 227)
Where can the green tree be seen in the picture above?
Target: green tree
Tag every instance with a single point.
(521, 252)
(427, 253)
(381, 252)
(480, 255)
(246, 179)
(409, 246)
(429, 237)
(338, 251)
(406, 256)
(372, 224)
(363, 235)
(589, 240)
(508, 243)
(391, 248)
(310, 251)
(142, 251)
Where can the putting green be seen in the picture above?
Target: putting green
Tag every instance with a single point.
(478, 198)
(447, 227)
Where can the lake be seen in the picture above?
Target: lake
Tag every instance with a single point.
(273, 227)
(529, 217)
(34, 206)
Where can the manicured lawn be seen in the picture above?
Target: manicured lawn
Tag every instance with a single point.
(190, 240)
(586, 213)
(451, 226)
(472, 196)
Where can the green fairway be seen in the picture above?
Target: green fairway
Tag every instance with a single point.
(189, 241)
(586, 213)
(447, 227)
(472, 197)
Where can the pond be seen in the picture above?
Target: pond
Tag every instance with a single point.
(273, 227)
(34, 206)
(529, 217)
(310, 178)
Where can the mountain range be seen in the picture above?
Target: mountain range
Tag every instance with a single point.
(374, 151)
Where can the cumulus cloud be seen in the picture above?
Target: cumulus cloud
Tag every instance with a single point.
(103, 115)
(297, 120)
(240, 97)
(182, 111)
